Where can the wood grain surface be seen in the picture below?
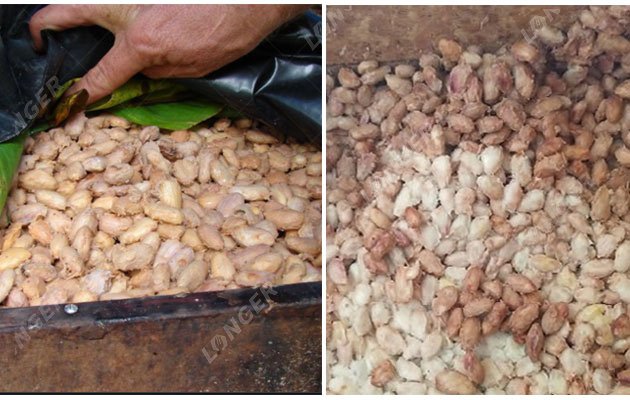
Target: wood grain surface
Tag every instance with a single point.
(393, 33)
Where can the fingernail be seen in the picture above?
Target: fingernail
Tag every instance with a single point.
(71, 90)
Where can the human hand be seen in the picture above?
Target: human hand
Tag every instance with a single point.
(164, 41)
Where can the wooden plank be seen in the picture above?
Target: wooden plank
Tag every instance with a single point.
(394, 33)
(250, 340)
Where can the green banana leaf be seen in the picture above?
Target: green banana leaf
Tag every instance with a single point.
(171, 95)
(173, 116)
(39, 127)
(10, 154)
(137, 89)
(157, 102)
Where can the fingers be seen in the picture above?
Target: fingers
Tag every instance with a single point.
(117, 66)
(57, 18)
(61, 17)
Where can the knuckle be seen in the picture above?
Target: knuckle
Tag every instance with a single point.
(144, 43)
(37, 21)
(99, 79)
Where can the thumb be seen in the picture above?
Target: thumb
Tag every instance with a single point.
(117, 66)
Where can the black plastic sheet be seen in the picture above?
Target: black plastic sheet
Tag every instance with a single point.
(27, 78)
(278, 83)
